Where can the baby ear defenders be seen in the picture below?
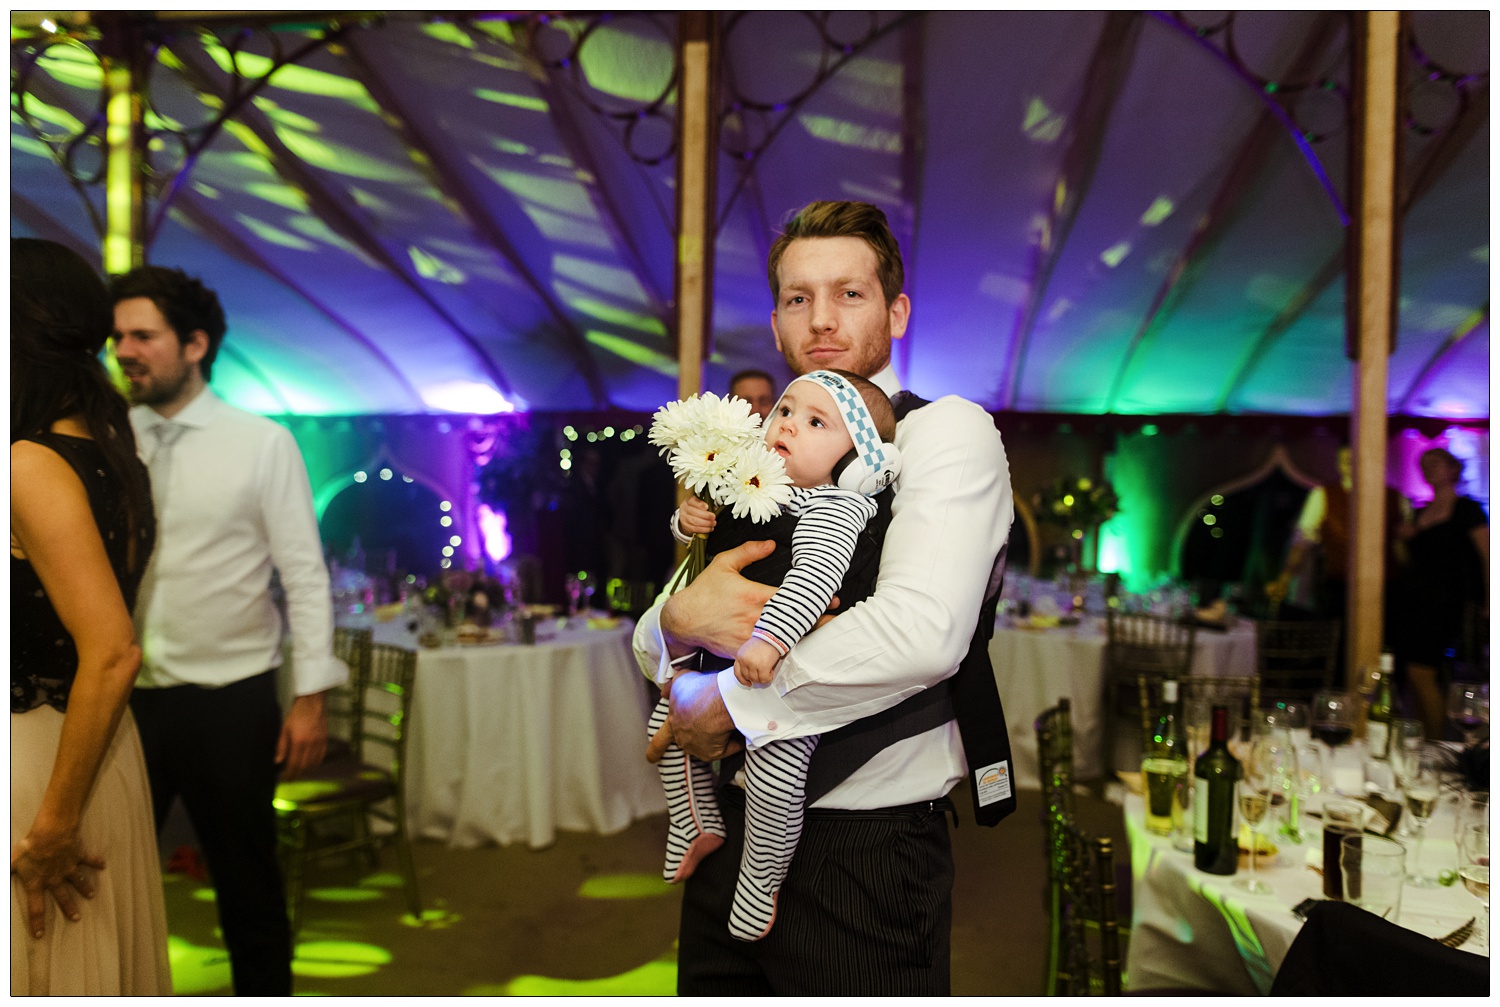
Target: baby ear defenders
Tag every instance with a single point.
(872, 464)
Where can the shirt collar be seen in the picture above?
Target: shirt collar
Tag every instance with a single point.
(197, 413)
(885, 379)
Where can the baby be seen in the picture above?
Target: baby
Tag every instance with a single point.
(832, 429)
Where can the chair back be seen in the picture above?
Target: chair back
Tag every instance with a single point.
(1201, 693)
(386, 707)
(1295, 660)
(1083, 949)
(345, 703)
(1140, 651)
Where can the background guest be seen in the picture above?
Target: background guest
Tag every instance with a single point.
(757, 388)
(81, 533)
(1445, 581)
(233, 503)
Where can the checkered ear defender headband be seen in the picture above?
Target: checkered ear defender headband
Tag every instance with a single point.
(872, 464)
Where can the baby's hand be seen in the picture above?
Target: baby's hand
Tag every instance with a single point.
(694, 517)
(755, 664)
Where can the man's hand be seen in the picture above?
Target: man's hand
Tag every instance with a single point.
(699, 722)
(304, 736)
(717, 611)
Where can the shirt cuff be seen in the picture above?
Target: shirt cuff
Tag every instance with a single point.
(760, 713)
(310, 677)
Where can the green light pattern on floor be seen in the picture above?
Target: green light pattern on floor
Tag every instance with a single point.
(197, 969)
(658, 978)
(343, 894)
(337, 959)
(624, 886)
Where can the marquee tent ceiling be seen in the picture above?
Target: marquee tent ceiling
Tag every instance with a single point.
(1101, 212)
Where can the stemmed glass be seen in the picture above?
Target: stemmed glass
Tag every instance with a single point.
(1474, 870)
(1468, 708)
(1421, 786)
(1333, 715)
(1262, 789)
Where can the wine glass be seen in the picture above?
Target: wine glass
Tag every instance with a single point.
(1333, 715)
(1258, 790)
(1468, 708)
(1474, 871)
(1422, 789)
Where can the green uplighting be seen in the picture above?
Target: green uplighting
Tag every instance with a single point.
(273, 234)
(634, 67)
(29, 145)
(611, 315)
(281, 195)
(1149, 430)
(197, 969)
(291, 77)
(286, 117)
(445, 32)
(529, 102)
(430, 267)
(1217, 500)
(1209, 519)
(633, 352)
(343, 895)
(344, 160)
(1115, 254)
(658, 978)
(205, 895)
(337, 959)
(1041, 123)
(1160, 209)
(39, 109)
(73, 64)
(624, 886)
(851, 134)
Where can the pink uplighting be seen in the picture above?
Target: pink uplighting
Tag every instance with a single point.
(493, 534)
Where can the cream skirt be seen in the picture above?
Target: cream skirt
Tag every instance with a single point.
(119, 947)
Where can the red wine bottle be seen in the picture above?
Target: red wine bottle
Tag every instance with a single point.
(1215, 850)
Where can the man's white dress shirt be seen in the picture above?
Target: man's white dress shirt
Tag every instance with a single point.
(237, 504)
(951, 514)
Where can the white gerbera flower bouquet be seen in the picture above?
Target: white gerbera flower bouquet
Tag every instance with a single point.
(716, 451)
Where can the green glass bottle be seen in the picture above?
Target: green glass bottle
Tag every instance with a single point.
(1215, 850)
(1378, 723)
(1165, 765)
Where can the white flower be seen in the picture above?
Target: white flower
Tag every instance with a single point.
(756, 484)
(701, 462)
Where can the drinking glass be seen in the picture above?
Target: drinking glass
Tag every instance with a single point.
(1474, 871)
(1422, 790)
(1333, 716)
(1373, 871)
(1469, 708)
(1258, 789)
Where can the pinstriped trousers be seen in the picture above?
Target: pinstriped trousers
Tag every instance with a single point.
(866, 910)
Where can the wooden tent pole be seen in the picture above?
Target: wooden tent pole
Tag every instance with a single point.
(697, 153)
(123, 54)
(1371, 299)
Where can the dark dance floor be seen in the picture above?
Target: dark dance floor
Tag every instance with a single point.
(587, 916)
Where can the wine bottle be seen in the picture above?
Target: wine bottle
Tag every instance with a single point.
(1165, 765)
(1378, 723)
(1215, 850)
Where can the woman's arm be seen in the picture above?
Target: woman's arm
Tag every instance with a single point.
(54, 527)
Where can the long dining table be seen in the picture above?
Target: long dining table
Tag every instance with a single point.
(1035, 666)
(511, 742)
(1192, 930)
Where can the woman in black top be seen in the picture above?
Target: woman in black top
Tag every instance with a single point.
(1447, 577)
(81, 534)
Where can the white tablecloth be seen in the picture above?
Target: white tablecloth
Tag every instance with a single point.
(510, 742)
(1191, 930)
(1035, 667)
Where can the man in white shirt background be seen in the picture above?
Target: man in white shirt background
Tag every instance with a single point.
(233, 503)
(867, 905)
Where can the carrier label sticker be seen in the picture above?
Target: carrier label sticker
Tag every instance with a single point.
(992, 783)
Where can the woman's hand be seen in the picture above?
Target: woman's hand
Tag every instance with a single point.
(54, 864)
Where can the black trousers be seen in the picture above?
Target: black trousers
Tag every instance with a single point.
(867, 909)
(216, 749)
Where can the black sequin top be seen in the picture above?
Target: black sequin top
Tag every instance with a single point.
(43, 659)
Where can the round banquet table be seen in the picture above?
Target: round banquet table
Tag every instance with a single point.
(1036, 667)
(1192, 930)
(511, 742)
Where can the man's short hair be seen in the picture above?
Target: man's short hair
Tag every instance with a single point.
(876, 401)
(750, 373)
(844, 219)
(184, 302)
